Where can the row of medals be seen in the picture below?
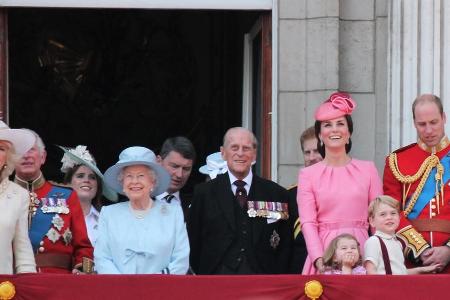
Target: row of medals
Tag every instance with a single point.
(264, 213)
(49, 205)
(52, 205)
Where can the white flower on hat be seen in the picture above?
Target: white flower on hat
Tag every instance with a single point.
(81, 152)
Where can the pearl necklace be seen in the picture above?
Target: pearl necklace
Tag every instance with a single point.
(4, 185)
(139, 213)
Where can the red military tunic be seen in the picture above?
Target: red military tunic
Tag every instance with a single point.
(409, 160)
(66, 242)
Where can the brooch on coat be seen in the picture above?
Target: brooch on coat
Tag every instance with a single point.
(67, 236)
(58, 222)
(274, 240)
(53, 235)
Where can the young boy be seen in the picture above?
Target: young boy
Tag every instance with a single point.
(383, 252)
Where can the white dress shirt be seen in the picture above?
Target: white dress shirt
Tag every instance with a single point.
(372, 252)
(248, 181)
(91, 220)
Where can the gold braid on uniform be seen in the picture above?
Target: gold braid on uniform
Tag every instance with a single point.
(424, 171)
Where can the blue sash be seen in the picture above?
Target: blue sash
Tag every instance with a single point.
(429, 189)
(42, 222)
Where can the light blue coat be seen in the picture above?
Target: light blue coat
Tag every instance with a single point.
(154, 244)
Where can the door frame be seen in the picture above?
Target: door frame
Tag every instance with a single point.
(146, 4)
(264, 25)
(270, 161)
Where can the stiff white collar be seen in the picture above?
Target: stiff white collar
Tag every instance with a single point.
(248, 181)
(175, 199)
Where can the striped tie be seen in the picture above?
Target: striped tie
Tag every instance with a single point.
(241, 193)
(169, 198)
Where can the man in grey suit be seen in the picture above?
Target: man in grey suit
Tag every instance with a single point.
(238, 222)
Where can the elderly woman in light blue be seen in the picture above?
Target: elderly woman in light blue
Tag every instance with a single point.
(140, 236)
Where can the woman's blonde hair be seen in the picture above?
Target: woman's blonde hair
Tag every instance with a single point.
(11, 160)
(383, 199)
(328, 255)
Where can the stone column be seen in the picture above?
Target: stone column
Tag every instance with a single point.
(418, 61)
(308, 68)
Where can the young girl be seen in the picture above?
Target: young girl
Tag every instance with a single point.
(343, 256)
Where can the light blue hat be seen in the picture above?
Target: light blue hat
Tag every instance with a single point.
(214, 165)
(133, 156)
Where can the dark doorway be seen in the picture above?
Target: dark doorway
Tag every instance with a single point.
(110, 79)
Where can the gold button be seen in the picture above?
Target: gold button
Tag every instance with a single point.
(433, 200)
(411, 234)
(414, 236)
(416, 239)
(433, 206)
(41, 249)
(419, 242)
(433, 214)
(41, 243)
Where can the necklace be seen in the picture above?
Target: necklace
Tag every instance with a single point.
(139, 213)
(4, 185)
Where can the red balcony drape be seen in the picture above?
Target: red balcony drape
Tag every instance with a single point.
(109, 287)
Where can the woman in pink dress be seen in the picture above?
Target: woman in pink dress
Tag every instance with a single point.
(334, 194)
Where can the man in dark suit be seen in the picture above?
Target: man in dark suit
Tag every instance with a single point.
(232, 233)
(308, 143)
(177, 156)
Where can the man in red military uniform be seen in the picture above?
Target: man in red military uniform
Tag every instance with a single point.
(418, 176)
(57, 227)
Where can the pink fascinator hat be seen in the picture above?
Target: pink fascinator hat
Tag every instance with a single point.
(339, 104)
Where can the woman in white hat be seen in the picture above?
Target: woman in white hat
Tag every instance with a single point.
(215, 165)
(140, 236)
(82, 174)
(16, 254)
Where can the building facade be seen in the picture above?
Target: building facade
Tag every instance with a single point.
(383, 52)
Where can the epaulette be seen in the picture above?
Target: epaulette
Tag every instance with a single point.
(404, 148)
(291, 187)
(413, 240)
(64, 185)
